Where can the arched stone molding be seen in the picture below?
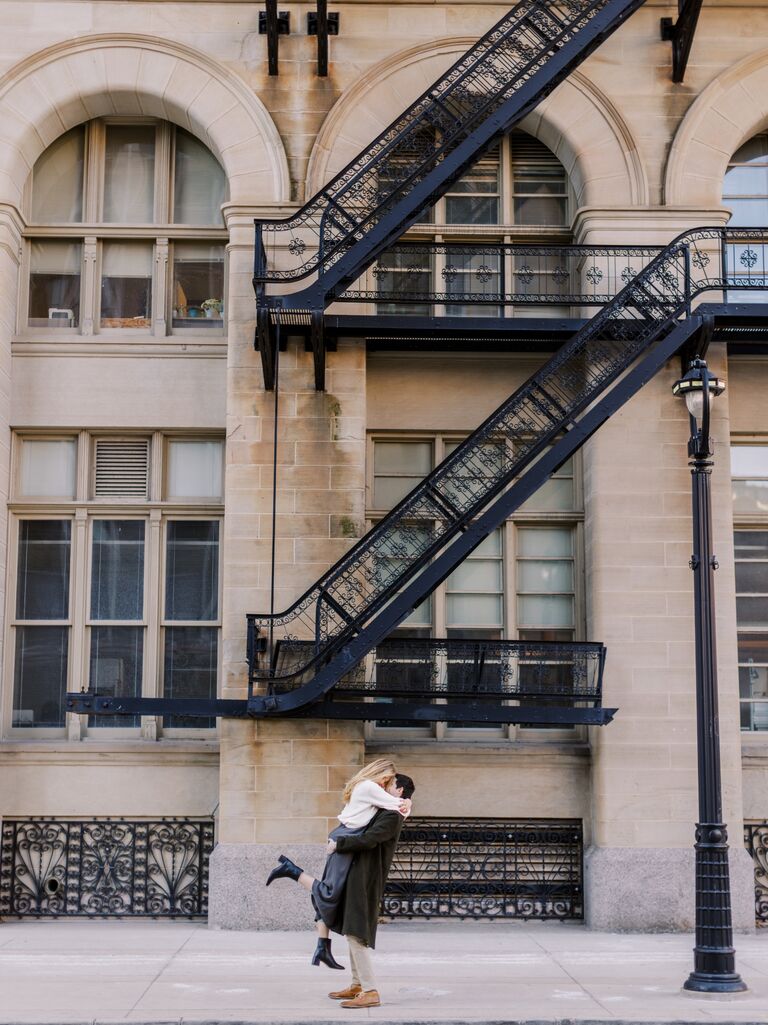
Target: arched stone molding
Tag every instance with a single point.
(729, 111)
(96, 76)
(577, 122)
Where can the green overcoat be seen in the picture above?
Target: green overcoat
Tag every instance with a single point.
(360, 905)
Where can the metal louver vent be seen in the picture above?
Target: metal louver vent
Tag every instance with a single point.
(526, 147)
(122, 468)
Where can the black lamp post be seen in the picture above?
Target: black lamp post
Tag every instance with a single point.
(714, 962)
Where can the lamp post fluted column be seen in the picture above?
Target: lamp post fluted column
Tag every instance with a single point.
(714, 955)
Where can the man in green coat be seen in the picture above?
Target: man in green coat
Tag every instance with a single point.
(360, 905)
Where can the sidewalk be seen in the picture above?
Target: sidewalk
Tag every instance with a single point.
(142, 971)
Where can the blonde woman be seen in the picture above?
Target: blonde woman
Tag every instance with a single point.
(364, 795)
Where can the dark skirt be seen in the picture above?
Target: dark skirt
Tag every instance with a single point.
(327, 892)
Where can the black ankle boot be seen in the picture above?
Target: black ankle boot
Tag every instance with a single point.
(285, 870)
(323, 953)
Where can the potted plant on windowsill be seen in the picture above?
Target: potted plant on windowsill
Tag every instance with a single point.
(212, 308)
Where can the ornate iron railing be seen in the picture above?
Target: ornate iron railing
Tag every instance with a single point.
(487, 868)
(497, 274)
(756, 839)
(369, 203)
(483, 670)
(511, 445)
(105, 868)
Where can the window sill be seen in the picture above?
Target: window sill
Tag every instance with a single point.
(15, 751)
(122, 344)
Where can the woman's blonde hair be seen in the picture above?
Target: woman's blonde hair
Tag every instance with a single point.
(382, 771)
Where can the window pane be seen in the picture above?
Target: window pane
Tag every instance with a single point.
(755, 148)
(57, 180)
(191, 658)
(473, 609)
(117, 653)
(752, 612)
(471, 210)
(750, 496)
(54, 284)
(192, 570)
(388, 491)
(402, 457)
(200, 185)
(550, 542)
(750, 544)
(553, 495)
(476, 575)
(126, 285)
(749, 460)
(534, 575)
(129, 174)
(545, 610)
(117, 573)
(747, 213)
(745, 181)
(40, 675)
(544, 210)
(198, 286)
(195, 469)
(753, 682)
(752, 577)
(48, 468)
(753, 648)
(42, 589)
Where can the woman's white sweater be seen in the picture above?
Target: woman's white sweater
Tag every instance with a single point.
(366, 798)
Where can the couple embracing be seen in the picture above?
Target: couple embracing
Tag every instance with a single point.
(347, 899)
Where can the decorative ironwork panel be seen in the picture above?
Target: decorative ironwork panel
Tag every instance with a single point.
(487, 868)
(756, 839)
(105, 868)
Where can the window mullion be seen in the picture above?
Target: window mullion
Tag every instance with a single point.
(78, 614)
(160, 289)
(89, 297)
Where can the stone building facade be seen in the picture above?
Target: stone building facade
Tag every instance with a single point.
(137, 436)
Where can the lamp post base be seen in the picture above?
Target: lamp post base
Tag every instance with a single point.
(715, 982)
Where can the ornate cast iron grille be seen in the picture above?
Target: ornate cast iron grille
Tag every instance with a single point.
(487, 868)
(371, 201)
(756, 839)
(447, 680)
(498, 274)
(106, 868)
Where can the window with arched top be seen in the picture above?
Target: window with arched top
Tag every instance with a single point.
(517, 192)
(745, 186)
(125, 232)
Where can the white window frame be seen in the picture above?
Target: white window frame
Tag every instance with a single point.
(93, 233)
(156, 511)
(574, 519)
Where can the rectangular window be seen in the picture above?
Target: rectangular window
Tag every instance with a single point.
(199, 184)
(405, 275)
(48, 468)
(476, 274)
(545, 583)
(126, 285)
(474, 199)
(398, 466)
(42, 596)
(539, 194)
(751, 555)
(749, 473)
(54, 284)
(129, 174)
(191, 596)
(198, 285)
(195, 469)
(474, 591)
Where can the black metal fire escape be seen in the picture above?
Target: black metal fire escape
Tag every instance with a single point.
(331, 653)
(368, 205)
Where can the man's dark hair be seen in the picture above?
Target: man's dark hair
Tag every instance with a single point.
(401, 780)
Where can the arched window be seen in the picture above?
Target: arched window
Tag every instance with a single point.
(517, 192)
(126, 232)
(745, 186)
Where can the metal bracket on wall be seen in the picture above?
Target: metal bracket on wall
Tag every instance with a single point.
(322, 24)
(680, 33)
(273, 24)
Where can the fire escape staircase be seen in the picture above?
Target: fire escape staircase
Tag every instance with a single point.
(324, 247)
(331, 653)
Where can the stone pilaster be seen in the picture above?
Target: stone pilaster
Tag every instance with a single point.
(281, 780)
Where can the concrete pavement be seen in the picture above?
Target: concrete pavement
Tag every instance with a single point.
(67, 972)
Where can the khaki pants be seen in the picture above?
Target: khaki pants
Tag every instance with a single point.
(360, 962)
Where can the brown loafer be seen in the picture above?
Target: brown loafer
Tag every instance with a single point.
(346, 994)
(367, 998)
